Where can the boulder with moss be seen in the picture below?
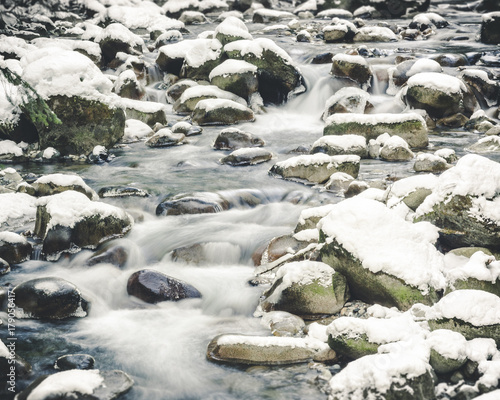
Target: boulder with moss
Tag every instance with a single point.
(221, 112)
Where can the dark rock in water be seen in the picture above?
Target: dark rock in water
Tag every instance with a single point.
(22, 367)
(14, 248)
(247, 156)
(175, 91)
(490, 28)
(221, 112)
(99, 155)
(153, 287)
(49, 298)
(324, 58)
(354, 68)
(234, 138)
(74, 361)
(119, 191)
(451, 60)
(115, 255)
(200, 203)
(453, 121)
(102, 385)
(4, 268)
(85, 124)
(111, 42)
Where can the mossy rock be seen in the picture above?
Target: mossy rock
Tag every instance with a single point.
(473, 283)
(241, 84)
(85, 124)
(459, 226)
(445, 365)
(417, 197)
(468, 330)
(380, 288)
(226, 112)
(352, 348)
(359, 73)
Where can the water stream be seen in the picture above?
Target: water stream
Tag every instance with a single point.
(163, 346)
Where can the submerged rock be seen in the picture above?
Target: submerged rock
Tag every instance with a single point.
(79, 385)
(49, 298)
(316, 168)
(308, 289)
(153, 287)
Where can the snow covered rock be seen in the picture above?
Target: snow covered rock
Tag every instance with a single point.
(234, 138)
(186, 128)
(232, 29)
(308, 289)
(448, 350)
(17, 209)
(464, 203)
(374, 34)
(191, 96)
(354, 68)
(69, 221)
(339, 31)
(14, 248)
(10, 151)
(199, 203)
(79, 384)
(490, 28)
(201, 58)
(265, 15)
(221, 112)
(127, 85)
(385, 259)
(486, 144)
(118, 38)
(193, 18)
(426, 162)
(339, 182)
(74, 361)
(316, 168)
(278, 77)
(165, 138)
(283, 323)
(149, 112)
(49, 298)
(403, 373)
(348, 100)
(356, 337)
(136, 130)
(311, 216)
(267, 350)
(171, 57)
(411, 126)
(473, 313)
(51, 184)
(236, 76)
(341, 145)
(410, 191)
(487, 88)
(439, 94)
(154, 287)
(425, 21)
(175, 91)
(395, 148)
(247, 156)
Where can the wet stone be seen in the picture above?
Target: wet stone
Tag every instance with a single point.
(74, 361)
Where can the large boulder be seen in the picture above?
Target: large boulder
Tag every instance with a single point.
(69, 221)
(232, 29)
(316, 168)
(278, 77)
(308, 289)
(221, 112)
(406, 268)
(154, 287)
(49, 298)
(263, 350)
(348, 100)
(463, 204)
(236, 76)
(48, 185)
(439, 94)
(118, 38)
(201, 58)
(411, 126)
(490, 28)
(187, 102)
(79, 384)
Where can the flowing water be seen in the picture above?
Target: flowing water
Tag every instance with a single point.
(163, 346)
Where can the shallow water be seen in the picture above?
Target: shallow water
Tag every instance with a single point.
(163, 347)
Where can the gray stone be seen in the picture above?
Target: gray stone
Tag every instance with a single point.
(234, 138)
(221, 112)
(247, 156)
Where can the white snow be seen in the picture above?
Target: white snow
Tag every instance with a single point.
(479, 266)
(89, 47)
(445, 153)
(209, 91)
(10, 147)
(233, 26)
(230, 67)
(307, 235)
(317, 159)
(350, 59)
(379, 33)
(4, 351)
(301, 273)
(268, 341)
(424, 65)
(334, 12)
(476, 307)
(315, 212)
(144, 15)
(472, 175)
(69, 207)
(63, 383)
(136, 130)
(180, 49)
(343, 95)
(345, 142)
(49, 152)
(384, 241)
(17, 209)
(428, 18)
(202, 51)
(250, 152)
(437, 81)
(377, 330)
(64, 180)
(214, 104)
(54, 71)
(374, 119)
(174, 6)
(393, 142)
(12, 238)
(257, 47)
(141, 106)
(119, 32)
(448, 343)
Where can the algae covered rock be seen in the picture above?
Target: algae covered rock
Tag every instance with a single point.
(308, 289)
(406, 268)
